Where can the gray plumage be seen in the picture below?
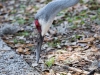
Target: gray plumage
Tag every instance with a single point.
(45, 17)
(50, 10)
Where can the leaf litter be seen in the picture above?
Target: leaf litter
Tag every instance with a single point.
(72, 45)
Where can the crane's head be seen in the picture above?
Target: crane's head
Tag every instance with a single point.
(39, 40)
(42, 26)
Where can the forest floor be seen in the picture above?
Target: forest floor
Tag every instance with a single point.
(71, 46)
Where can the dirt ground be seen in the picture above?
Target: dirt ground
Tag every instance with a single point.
(71, 46)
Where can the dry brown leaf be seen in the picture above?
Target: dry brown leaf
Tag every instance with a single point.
(26, 51)
(20, 50)
(52, 32)
(8, 42)
(74, 57)
(82, 63)
(94, 49)
(23, 51)
(46, 73)
(97, 36)
(51, 72)
(69, 74)
(57, 73)
(28, 8)
(78, 49)
(21, 45)
(24, 45)
(38, 0)
(29, 45)
(61, 57)
(61, 73)
(1, 6)
(74, 46)
(69, 48)
(48, 39)
(33, 10)
(87, 40)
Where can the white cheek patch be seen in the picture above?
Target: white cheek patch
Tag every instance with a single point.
(44, 26)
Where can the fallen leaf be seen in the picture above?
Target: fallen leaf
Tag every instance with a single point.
(94, 49)
(1, 6)
(69, 48)
(52, 32)
(20, 50)
(87, 40)
(47, 39)
(26, 51)
(29, 45)
(51, 72)
(28, 8)
(61, 57)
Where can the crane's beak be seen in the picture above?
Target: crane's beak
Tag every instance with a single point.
(39, 44)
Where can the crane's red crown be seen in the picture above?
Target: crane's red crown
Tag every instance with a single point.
(38, 26)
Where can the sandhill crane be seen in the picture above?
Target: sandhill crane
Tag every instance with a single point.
(45, 16)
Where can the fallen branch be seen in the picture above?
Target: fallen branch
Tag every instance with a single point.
(92, 72)
(78, 70)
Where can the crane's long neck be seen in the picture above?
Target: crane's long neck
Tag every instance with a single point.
(47, 13)
(52, 8)
(59, 5)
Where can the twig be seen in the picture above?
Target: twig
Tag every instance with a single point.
(38, 69)
(78, 70)
(92, 72)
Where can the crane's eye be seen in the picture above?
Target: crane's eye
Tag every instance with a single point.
(38, 26)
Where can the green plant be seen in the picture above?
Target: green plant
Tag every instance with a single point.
(54, 43)
(74, 27)
(24, 33)
(50, 62)
(75, 37)
(18, 41)
(21, 41)
(21, 20)
(15, 41)
(22, 6)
